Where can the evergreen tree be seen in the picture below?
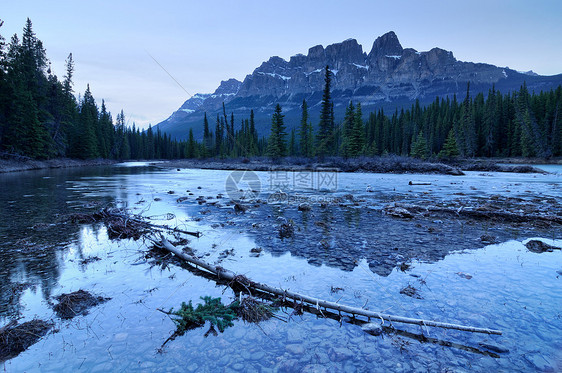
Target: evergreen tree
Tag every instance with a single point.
(419, 147)
(325, 137)
(253, 147)
(450, 147)
(348, 125)
(191, 145)
(304, 142)
(292, 143)
(207, 140)
(69, 74)
(358, 133)
(277, 146)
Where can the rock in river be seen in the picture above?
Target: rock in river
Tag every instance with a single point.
(538, 246)
(372, 328)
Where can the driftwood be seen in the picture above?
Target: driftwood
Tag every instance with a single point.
(419, 183)
(224, 274)
(121, 224)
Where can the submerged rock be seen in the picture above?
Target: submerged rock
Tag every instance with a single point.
(488, 239)
(372, 328)
(464, 275)
(304, 207)
(411, 292)
(398, 212)
(538, 246)
(494, 348)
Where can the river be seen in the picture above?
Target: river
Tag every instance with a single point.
(343, 250)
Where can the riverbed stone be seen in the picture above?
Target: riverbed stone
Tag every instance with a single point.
(538, 362)
(314, 368)
(340, 354)
(538, 246)
(293, 335)
(295, 349)
(288, 365)
(372, 328)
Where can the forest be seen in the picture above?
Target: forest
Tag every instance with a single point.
(41, 118)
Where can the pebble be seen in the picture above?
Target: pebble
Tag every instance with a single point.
(340, 353)
(293, 335)
(372, 328)
(120, 337)
(289, 365)
(314, 368)
(295, 349)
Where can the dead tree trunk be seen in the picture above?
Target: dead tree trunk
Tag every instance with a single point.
(222, 273)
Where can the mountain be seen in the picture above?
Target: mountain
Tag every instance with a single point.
(388, 77)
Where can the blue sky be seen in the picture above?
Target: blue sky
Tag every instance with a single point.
(201, 43)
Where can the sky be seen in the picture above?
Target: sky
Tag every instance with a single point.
(127, 50)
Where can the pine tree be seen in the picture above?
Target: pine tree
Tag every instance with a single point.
(303, 131)
(277, 146)
(292, 143)
(450, 147)
(69, 74)
(207, 140)
(191, 145)
(325, 139)
(419, 147)
(467, 127)
(253, 147)
(358, 133)
(348, 124)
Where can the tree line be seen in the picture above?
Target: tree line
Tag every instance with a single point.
(40, 118)
(518, 124)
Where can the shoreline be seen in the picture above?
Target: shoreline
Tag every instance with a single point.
(390, 164)
(379, 164)
(8, 165)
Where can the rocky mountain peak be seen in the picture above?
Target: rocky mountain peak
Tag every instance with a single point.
(386, 45)
(348, 51)
(316, 53)
(228, 87)
(389, 76)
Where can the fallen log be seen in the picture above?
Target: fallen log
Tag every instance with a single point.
(222, 273)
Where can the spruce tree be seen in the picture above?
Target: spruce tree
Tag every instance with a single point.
(303, 131)
(277, 144)
(191, 145)
(450, 147)
(206, 137)
(419, 147)
(358, 133)
(348, 124)
(324, 139)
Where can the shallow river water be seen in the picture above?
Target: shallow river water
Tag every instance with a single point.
(500, 286)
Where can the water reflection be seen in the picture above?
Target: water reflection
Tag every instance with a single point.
(35, 231)
(353, 247)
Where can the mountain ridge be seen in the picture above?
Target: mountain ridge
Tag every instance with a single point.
(388, 76)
